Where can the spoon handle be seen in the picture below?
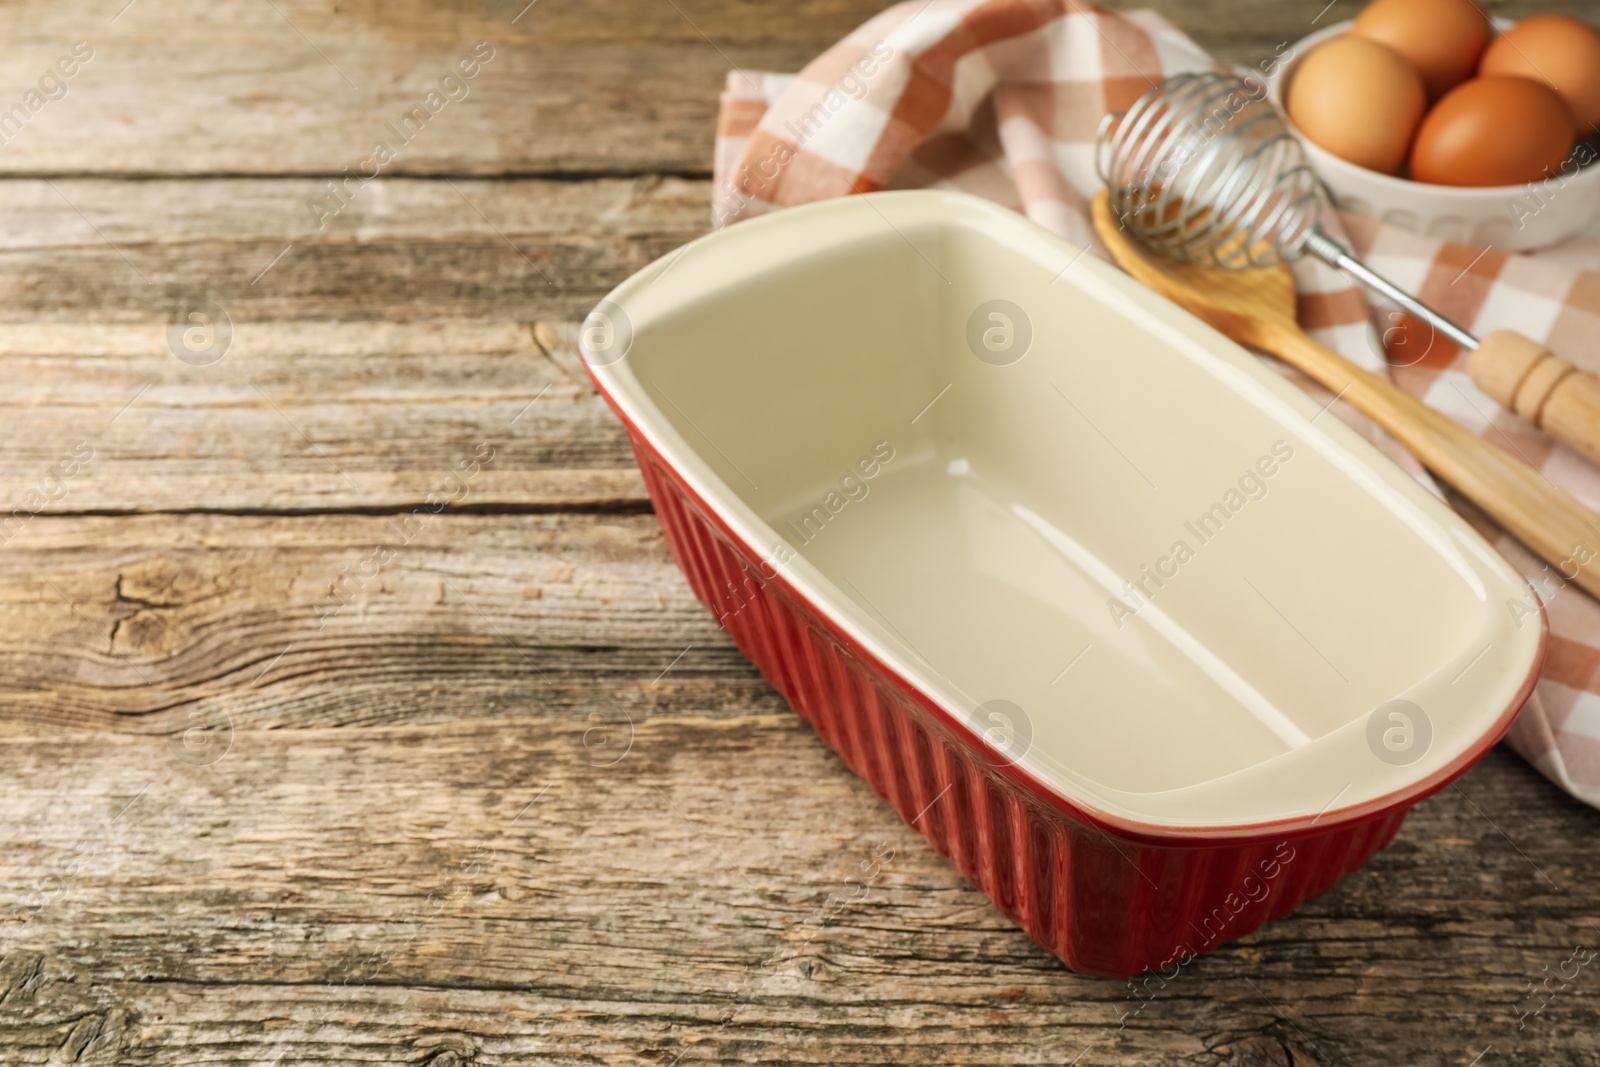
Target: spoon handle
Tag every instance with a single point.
(1525, 377)
(1536, 511)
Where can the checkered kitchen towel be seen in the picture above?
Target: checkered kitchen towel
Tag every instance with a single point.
(1002, 98)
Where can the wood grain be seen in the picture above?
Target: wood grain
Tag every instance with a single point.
(304, 86)
(129, 252)
(139, 624)
(512, 797)
(490, 890)
(1527, 378)
(362, 366)
(306, 417)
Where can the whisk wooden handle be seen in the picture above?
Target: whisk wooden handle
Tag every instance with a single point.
(1546, 518)
(1525, 377)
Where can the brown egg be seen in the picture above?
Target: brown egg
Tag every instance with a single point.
(1441, 38)
(1359, 100)
(1559, 51)
(1493, 131)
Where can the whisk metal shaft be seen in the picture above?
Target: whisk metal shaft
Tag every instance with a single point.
(1203, 168)
(1320, 244)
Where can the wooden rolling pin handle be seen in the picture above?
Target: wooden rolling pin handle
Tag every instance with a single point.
(1525, 377)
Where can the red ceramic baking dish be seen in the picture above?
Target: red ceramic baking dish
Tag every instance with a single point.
(1151, 646)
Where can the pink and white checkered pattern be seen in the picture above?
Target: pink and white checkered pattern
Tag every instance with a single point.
(1002, 99)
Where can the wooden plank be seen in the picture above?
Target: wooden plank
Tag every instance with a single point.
(678, 890)
(144, 623)
(303, 416)
(359, 370)
(518, 800)
(306, 86)
(725, 892)
(129, 252)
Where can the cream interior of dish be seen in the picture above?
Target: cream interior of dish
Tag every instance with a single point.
(1172, 573)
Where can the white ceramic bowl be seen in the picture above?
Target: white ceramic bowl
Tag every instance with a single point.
(1509, 217)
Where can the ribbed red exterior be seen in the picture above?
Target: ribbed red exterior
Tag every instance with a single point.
(1104, 902)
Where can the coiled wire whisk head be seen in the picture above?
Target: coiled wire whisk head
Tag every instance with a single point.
(1203, 168)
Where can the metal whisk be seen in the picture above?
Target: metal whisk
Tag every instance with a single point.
(1203, 168)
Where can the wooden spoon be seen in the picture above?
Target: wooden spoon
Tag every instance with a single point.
(1257, 308)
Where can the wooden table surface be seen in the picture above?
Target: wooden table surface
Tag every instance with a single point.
(506, 795)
